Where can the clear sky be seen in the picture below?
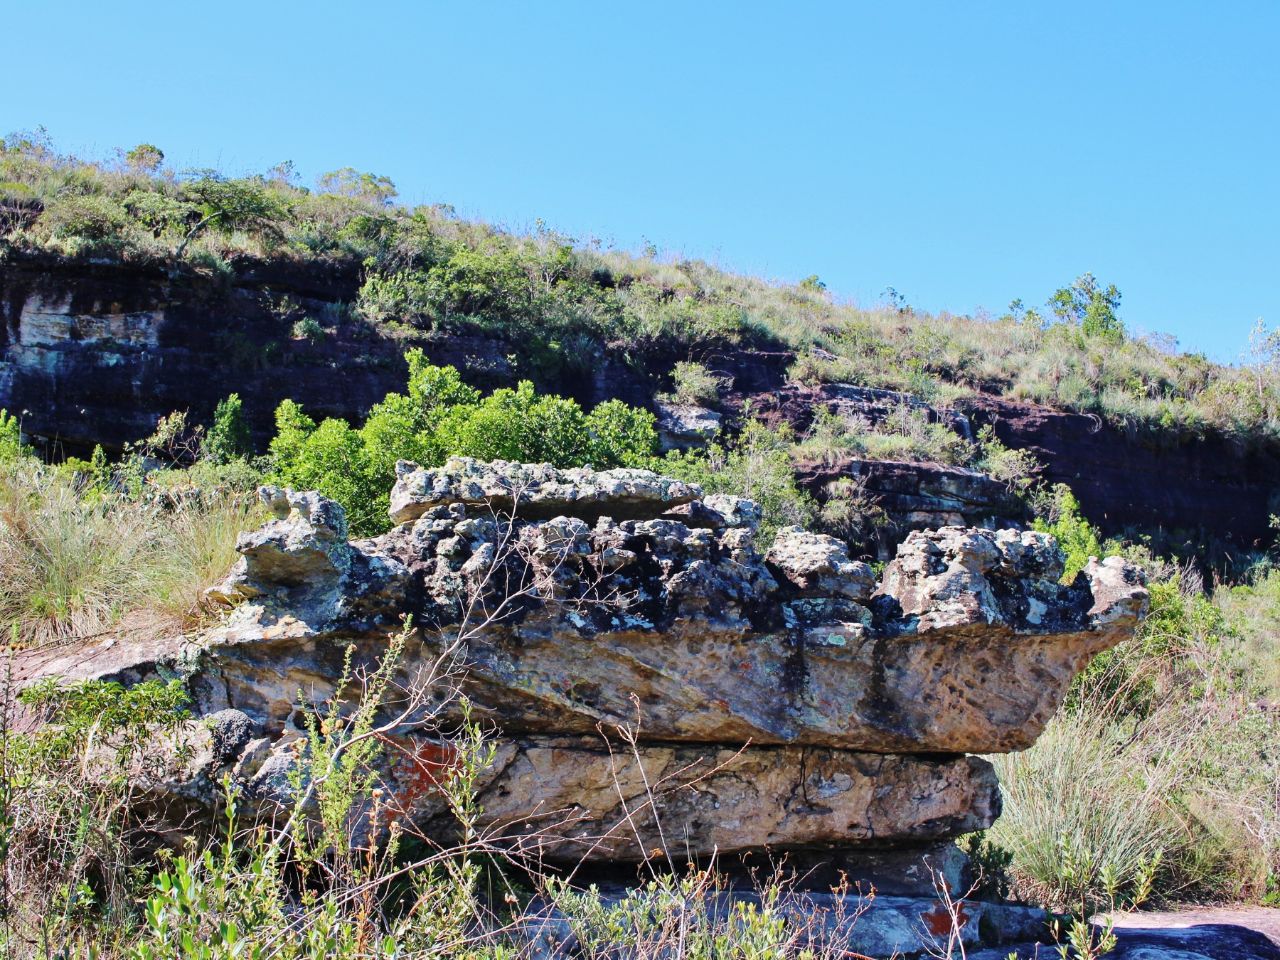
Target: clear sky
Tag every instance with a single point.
(964, 153)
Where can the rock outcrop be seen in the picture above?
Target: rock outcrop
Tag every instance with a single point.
(655, 679)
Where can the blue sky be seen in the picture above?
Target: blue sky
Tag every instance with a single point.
(962, 153)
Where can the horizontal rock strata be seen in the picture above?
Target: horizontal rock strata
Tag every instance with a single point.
(655, 680)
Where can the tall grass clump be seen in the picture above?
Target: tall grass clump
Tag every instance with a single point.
(1160, 778)
(75, 558)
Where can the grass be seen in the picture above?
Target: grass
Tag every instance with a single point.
(74, 561)
(1162, 776)
(562, 302)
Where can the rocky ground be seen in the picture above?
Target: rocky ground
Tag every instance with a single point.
(1209, 933)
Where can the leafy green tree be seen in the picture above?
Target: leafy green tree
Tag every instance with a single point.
(228, 437)
(350, 182)
(1090, 307)
(440, 416)
(243, 204)
(145, 158)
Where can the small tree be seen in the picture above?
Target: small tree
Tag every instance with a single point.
(230, 205)
(145, 158)
(11, 445)
(1090, 307)
(349, 182)
(1263, 356)
(228, 438)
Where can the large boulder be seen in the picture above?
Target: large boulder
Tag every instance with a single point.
(649, 674)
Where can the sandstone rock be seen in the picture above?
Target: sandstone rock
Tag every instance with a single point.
(776, 702)
(683, 425)
(534, 490)
(819, 566)
(574, 798)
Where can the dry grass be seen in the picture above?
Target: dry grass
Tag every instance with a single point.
(74, 561)
(1163, 773)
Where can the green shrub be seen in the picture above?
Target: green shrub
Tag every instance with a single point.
(757, 465)
(1091, 307)
(438, 417)
(693, 383)
(92, 218)
(11, 445)
(1019, 470)
(1078, 538)
(228, 437)
(145, 157)
(402, 297)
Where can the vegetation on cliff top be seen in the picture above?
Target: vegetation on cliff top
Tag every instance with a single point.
(563, 301)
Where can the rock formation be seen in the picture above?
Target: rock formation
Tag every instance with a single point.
(654, 679)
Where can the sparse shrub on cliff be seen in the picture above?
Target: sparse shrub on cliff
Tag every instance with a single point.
(907, 433)
(1019, 470)
(694, 383)
(227, 438)
(756, 465)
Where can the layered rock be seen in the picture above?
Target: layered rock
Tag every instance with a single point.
(654, 679)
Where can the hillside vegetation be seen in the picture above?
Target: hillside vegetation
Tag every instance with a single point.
(562, 300)
(1159, 780)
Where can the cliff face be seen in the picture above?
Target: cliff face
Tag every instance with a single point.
(1210, 487)
(96, 353)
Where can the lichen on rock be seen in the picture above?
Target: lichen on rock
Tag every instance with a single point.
(783, 697)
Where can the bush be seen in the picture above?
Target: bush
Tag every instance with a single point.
(1078, 538)
(692, 383)
(91, 218)
(440, 416)
(11, 445)
(906, 433)
(228, 437)
(757, 465)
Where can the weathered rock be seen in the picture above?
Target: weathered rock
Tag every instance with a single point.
(566, 799)
(534, 491)
(819, 566)
(683, 425)
(776, 702)
(968, 648)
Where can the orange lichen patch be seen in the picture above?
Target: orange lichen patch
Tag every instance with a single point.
(417, 767)
(938, 920)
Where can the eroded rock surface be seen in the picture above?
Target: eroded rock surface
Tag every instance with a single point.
(653, 676)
